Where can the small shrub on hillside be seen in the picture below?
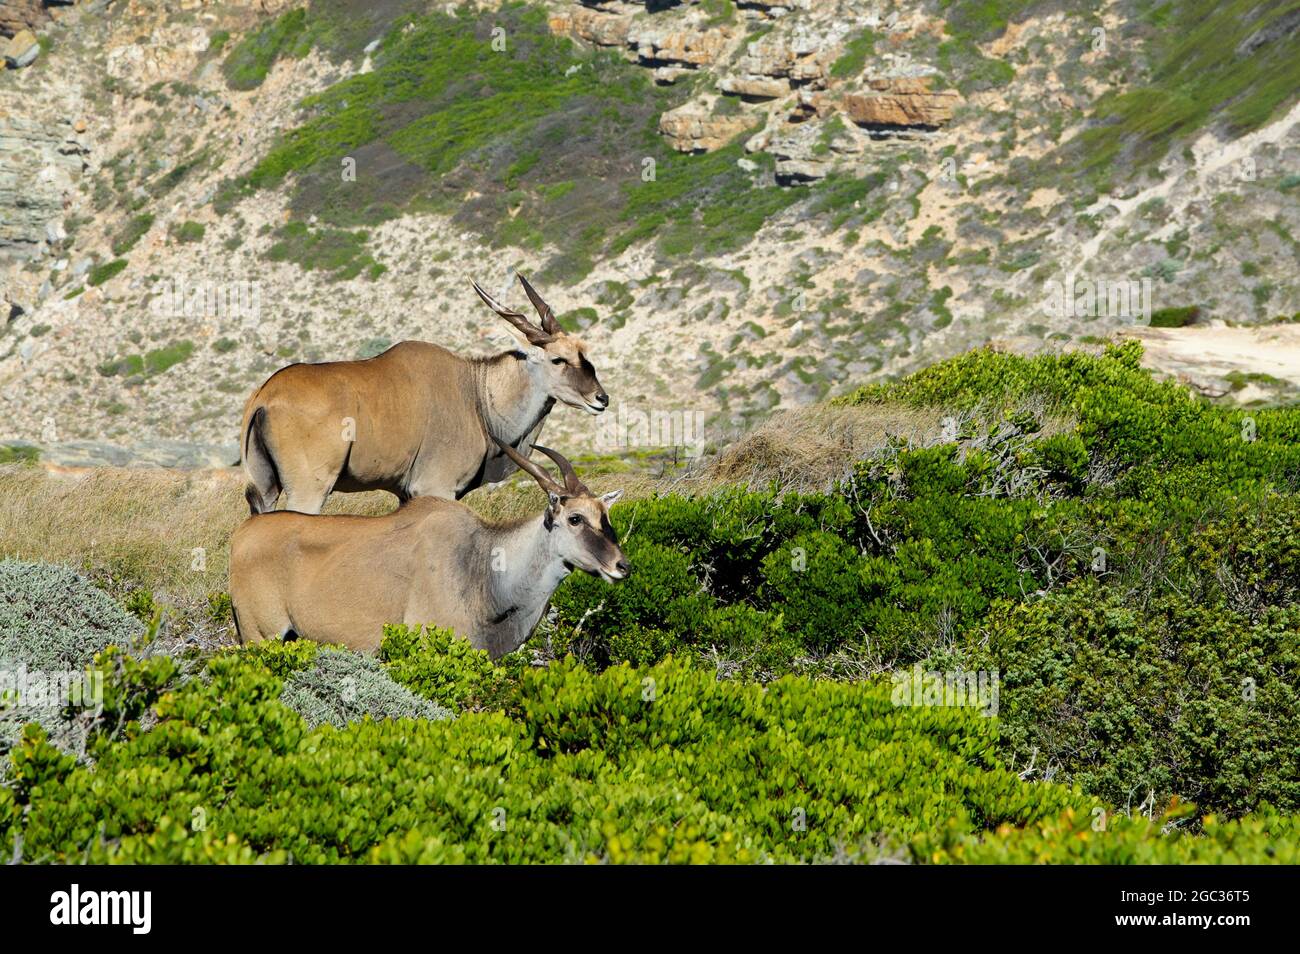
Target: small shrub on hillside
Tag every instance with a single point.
(187, 232)
(342, 686)
(102, 273)
(1175, 317)
(132, 233)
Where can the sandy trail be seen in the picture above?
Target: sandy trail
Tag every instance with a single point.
(1216, 351)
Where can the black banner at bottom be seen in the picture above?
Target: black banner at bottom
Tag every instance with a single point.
(334, 904)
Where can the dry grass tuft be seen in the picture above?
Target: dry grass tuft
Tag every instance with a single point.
(811, 449)
(151, 528)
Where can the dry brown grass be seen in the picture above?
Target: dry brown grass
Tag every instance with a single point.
(137, 526)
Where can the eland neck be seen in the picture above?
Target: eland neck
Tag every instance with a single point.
(511, 396)
(526, 569)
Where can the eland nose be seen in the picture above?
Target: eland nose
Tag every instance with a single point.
(602, 399)
(622, 567)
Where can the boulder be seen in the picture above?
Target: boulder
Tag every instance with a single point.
(21, 49)
(40, 161)
(17, 16)
(754, 87)
(592, 26)
(660, 46)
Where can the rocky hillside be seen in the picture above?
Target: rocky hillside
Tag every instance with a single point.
(741, 204)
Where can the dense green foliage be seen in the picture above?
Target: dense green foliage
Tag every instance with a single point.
(662, 764)
(446, 670)
(1143, 558)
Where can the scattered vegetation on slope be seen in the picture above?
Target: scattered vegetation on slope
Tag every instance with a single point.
(1232, 65)
(486, 116)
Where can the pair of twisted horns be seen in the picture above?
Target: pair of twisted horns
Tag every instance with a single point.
(572, 486)
(536, 336)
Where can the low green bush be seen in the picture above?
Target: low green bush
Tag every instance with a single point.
(1095, 838)
(661, 764)
(1013, 546)
(53, 618)
(443, 669)
(102, 273)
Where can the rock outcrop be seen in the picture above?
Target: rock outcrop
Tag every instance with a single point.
(790, 76)
(659, 46)
(21, 50)
(692, 128)
(40, 160)
(19, 15)
(900, 103)
(773, 66)
(592, 26)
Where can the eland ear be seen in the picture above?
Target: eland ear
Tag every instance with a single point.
(531, 333)
(609, 498)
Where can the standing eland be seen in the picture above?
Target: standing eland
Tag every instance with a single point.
(417, 420)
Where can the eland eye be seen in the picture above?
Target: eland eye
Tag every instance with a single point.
(557, 361)
(575, 519)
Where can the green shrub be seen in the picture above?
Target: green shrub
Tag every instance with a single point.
(1175, 317)
(1121, 839)
(132, 233)
(251, 59)
(664, 764)
(52, 620)
(52, 617)
(443, 669)
(187, 232)
(102, 273)
(854, 57)
(1178, 512)
(149, 364)
(1175, 699)
(19, 454)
